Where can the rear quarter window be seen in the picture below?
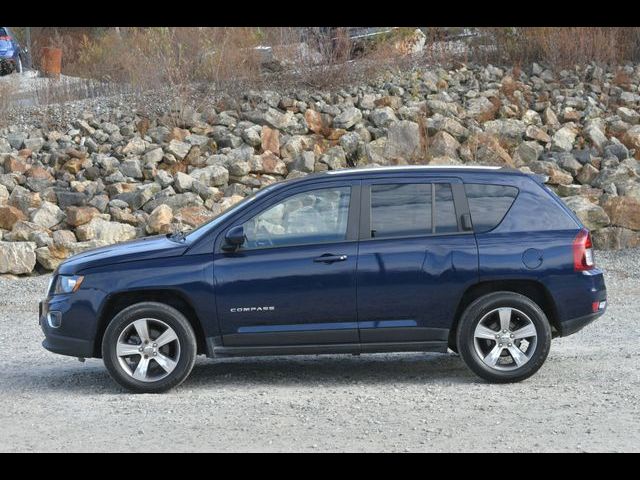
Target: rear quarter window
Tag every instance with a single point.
(489, 204)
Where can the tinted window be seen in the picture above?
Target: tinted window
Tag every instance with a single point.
(317, 216)
(400, 210)
(3, 32)
(488, 204)
(446, 219)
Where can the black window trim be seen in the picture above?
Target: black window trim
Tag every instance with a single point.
(460, 205)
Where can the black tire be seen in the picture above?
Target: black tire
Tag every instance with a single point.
(485, 305)
(171, 317)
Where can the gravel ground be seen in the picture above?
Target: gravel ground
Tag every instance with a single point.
(585, 398)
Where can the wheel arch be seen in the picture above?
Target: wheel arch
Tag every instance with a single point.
(119, 301)
(534, 290)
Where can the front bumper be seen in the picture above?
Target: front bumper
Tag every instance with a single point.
(75, 333)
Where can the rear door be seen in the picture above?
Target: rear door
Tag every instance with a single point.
(415, 260)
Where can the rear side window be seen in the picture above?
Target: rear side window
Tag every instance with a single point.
(488, 204)
(400, 210)
(412, 209)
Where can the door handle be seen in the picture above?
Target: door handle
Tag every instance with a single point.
(329, 258)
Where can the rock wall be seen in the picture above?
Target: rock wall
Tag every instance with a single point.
(110, 174)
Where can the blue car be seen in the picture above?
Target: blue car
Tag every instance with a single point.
(11, 54)
(484, 261)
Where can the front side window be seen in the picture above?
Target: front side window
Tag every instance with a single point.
(317, 216)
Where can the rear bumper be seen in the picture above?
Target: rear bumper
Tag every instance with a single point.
(569, 327)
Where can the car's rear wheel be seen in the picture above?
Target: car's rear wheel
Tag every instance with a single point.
(149, 348)
(504, 337)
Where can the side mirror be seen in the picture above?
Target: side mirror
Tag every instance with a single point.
(234, 238)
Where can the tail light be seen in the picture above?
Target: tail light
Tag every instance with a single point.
(6, 38)
(583, 251)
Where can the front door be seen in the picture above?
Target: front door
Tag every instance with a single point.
(415, 260)
(293, 282)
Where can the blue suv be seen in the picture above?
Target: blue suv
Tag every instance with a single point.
(485, 261)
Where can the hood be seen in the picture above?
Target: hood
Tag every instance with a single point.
(135, 250)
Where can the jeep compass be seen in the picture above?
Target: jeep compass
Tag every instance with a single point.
(484, 261)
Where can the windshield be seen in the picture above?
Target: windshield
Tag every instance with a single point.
(198, 231)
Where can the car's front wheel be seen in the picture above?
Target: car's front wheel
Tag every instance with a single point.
(504, 337)
(149, 347)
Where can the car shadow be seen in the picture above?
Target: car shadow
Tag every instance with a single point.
(302, 371)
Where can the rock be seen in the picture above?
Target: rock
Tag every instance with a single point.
(556, 176)
(481, 109)
(315, 121)
(615, 238)
(509, 131)
(624, 212)
(347, 118)
(136, 146)
(15, 165)
(194, 215)
(587, 174)
(159, 220)
(567, 162)
(443, 144)
(535, 133)
(383, 117)
(305, 162)
(593, 216)
(182, 182)
(103, 230)
(485, 149)
(528, 152)
(252, 136)
(153, 156)
(270, 140)
(178, 149)
(63, 237)
(17, 257)
(454, 128)
(9, 216)
(131, 168)
(268, 163)
(632, 139)
(24, 231)
(77, 216)
(175, 202)
(595, 136)
(628, 115)
(617, 175)
(563, 139)
(404, 142)
(335, 158)
(48, 215)
(66, 199)
(214, 175)
(24, 199)
(4, 194)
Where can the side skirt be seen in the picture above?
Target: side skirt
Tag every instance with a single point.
(214, 349)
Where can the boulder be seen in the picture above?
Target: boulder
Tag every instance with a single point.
(9, 216)
(159, 220)
(593, 216)
(77, 216)
(348, 118)
(17, 257)
(624, 212)
(48, 215)
(106, 231)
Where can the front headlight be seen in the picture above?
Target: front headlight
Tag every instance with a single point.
(67, 283)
